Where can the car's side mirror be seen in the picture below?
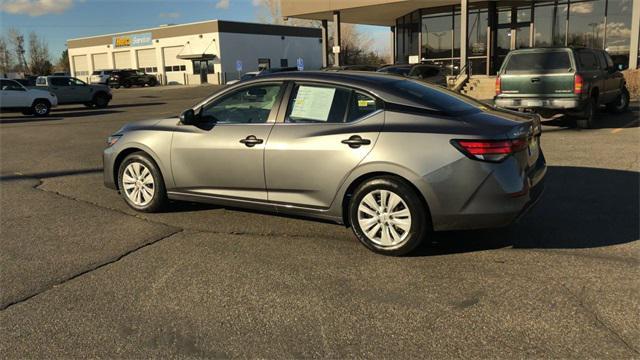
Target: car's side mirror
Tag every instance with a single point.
(188, 117)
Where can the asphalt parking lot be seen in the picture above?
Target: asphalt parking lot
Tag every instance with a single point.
(83, 275)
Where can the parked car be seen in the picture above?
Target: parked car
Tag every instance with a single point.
(70, 90)
(430, 73)
(252, 74)
(393, 158)
(28, 81)
(352, 68)
(61, 73)
(571, 81)
(16, 97)
(129, 78)
(101, 77)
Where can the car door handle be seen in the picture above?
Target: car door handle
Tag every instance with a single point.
(356, 141)
(533, 80)
(251, 141)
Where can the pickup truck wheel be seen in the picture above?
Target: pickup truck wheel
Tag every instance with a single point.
(40, 108)
(152, 82)
(587, 121)
(621, 103)
(101, 101)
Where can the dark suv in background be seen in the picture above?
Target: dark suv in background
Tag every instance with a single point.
(569, 81)
(129, 77)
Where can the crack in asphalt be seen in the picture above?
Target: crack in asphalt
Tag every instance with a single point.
(595, 316)
(86, 271)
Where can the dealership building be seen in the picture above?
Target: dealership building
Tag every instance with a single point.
(203, 52)
(474, 37)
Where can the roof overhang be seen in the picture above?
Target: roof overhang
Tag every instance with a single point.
(367, 12)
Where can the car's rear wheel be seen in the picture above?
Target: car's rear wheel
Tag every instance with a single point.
(621, 104)
(152, 82)
(40, 108)
(126, 85)
(587, 121)
(388, 217)
(141, 184)
(101, 100)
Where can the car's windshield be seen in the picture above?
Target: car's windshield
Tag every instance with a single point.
(543, 62)
(436, 97)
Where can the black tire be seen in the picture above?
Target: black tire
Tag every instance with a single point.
(126, 85)
(41, 108)
(621, 103)
(159, 198)
(587, 120)
(420, 220)
(101, 100)
(152, 82)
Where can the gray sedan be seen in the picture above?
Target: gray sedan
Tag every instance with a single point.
(392, 158)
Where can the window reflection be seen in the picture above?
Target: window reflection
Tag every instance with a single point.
(619, 30)
(550, 22)
(586, 24)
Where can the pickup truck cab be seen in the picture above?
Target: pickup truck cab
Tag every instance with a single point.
(570, 81)
(70, 90)
(29, 101)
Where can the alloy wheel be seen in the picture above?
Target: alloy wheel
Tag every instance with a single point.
(384, 218)
(41, 108)
(138, 184)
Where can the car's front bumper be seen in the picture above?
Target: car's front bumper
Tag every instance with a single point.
(538, 103)
(108, 172)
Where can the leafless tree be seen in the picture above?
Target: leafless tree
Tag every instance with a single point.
(271, 13)
(63, 62)
(39, 59)
(6, 58)
(16, 39)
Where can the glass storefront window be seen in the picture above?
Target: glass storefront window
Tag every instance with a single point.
(550, 22)
(478, 21)
(619, 30)
(586, 24)
(437, 36)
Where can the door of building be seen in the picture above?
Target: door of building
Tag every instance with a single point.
(513, 31)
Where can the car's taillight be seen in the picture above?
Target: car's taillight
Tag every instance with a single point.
(490, 150)
(577, 84)
(498, 86)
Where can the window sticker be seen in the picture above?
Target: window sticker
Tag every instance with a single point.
(313, 103)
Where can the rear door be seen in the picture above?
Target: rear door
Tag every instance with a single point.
(538, 74)
(80, 91)
(13, 95)
(321, 136)
(590, 70)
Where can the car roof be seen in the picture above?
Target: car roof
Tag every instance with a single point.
(374, 82)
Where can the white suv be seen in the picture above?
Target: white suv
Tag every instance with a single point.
(15, 97)
(100, 77)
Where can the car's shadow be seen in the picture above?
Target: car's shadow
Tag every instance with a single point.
(604, 120)
(581, 208)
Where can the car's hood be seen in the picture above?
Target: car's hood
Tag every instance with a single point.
(152, 124)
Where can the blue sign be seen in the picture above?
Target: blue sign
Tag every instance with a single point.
(143, 39)
(300, 64)
(238, 65)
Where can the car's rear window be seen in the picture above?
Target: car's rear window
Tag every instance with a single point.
(543, 62)
(436, 97)
(96, 73)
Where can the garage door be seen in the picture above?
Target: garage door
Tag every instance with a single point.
(100, 61)
(80, 65)
(146, 58)
(171, 56)
(122, 60)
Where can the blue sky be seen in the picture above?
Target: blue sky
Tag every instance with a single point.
(59, 20)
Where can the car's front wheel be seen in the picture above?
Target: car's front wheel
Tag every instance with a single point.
(141, 184)
(101, 101)
(388, 216)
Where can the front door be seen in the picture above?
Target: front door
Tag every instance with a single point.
(223, 155)
(13, 95)
(326, 133)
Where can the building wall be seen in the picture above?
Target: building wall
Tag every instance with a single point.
(248, 48)
(161, 47)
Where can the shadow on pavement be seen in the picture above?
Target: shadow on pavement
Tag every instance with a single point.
(112, 106)
(50, 174)
(56, 116)
(581, 208)
(604, 120)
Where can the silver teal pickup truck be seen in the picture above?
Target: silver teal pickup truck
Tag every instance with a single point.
(569, 81)
(70, 90)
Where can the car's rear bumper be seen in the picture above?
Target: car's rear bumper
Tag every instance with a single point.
(534, 103)
(500, 200)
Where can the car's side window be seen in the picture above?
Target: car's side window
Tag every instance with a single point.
(74, 81)
(588, 60)
(249, 105)
(328, 104)
(59, 81)
(8, 85)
